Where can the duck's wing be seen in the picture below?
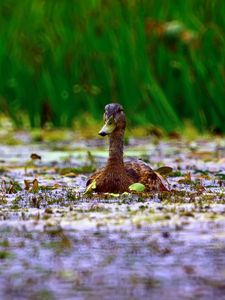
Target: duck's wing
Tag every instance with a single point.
(143, 173)
(94, 176)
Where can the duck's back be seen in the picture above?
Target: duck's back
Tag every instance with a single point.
(141, 172)
(117, 180)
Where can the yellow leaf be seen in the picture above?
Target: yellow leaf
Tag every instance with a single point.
(113, 195)
(92, 186)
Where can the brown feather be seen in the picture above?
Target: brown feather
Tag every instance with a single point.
(118, 180)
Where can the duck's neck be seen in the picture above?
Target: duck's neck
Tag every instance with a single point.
(115, 149)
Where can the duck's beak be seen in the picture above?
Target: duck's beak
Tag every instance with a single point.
(107, 128)
(102, 131)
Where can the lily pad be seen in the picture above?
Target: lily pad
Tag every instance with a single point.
(137, 187)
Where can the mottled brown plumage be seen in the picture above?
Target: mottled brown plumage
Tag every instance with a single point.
(117, 175)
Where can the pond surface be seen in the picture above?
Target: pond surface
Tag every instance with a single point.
(57, 243)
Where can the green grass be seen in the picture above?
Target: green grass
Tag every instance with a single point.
(163, 60)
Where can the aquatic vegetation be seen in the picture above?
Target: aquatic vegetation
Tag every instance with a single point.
(55, 238)
(5, 255)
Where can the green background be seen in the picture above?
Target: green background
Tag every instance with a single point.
(163, 60)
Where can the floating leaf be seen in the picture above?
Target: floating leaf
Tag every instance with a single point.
(113, 195)
(71, 174)
(14, 187)
(92, 186)
(186, 180)
(137, 187)
(125, 194)
(164, 170)
(35, 186)
(27, 184)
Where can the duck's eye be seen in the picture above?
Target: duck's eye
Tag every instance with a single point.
(110, 121)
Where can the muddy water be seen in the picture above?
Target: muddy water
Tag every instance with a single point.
(56, 243)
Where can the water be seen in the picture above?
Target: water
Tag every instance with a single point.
(57, 244)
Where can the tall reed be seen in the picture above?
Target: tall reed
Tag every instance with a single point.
(163, 60)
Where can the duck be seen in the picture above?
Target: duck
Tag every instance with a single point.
(118, 175)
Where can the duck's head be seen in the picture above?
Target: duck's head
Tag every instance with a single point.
(114, 119)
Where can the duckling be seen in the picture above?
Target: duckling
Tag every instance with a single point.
(117, 175)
